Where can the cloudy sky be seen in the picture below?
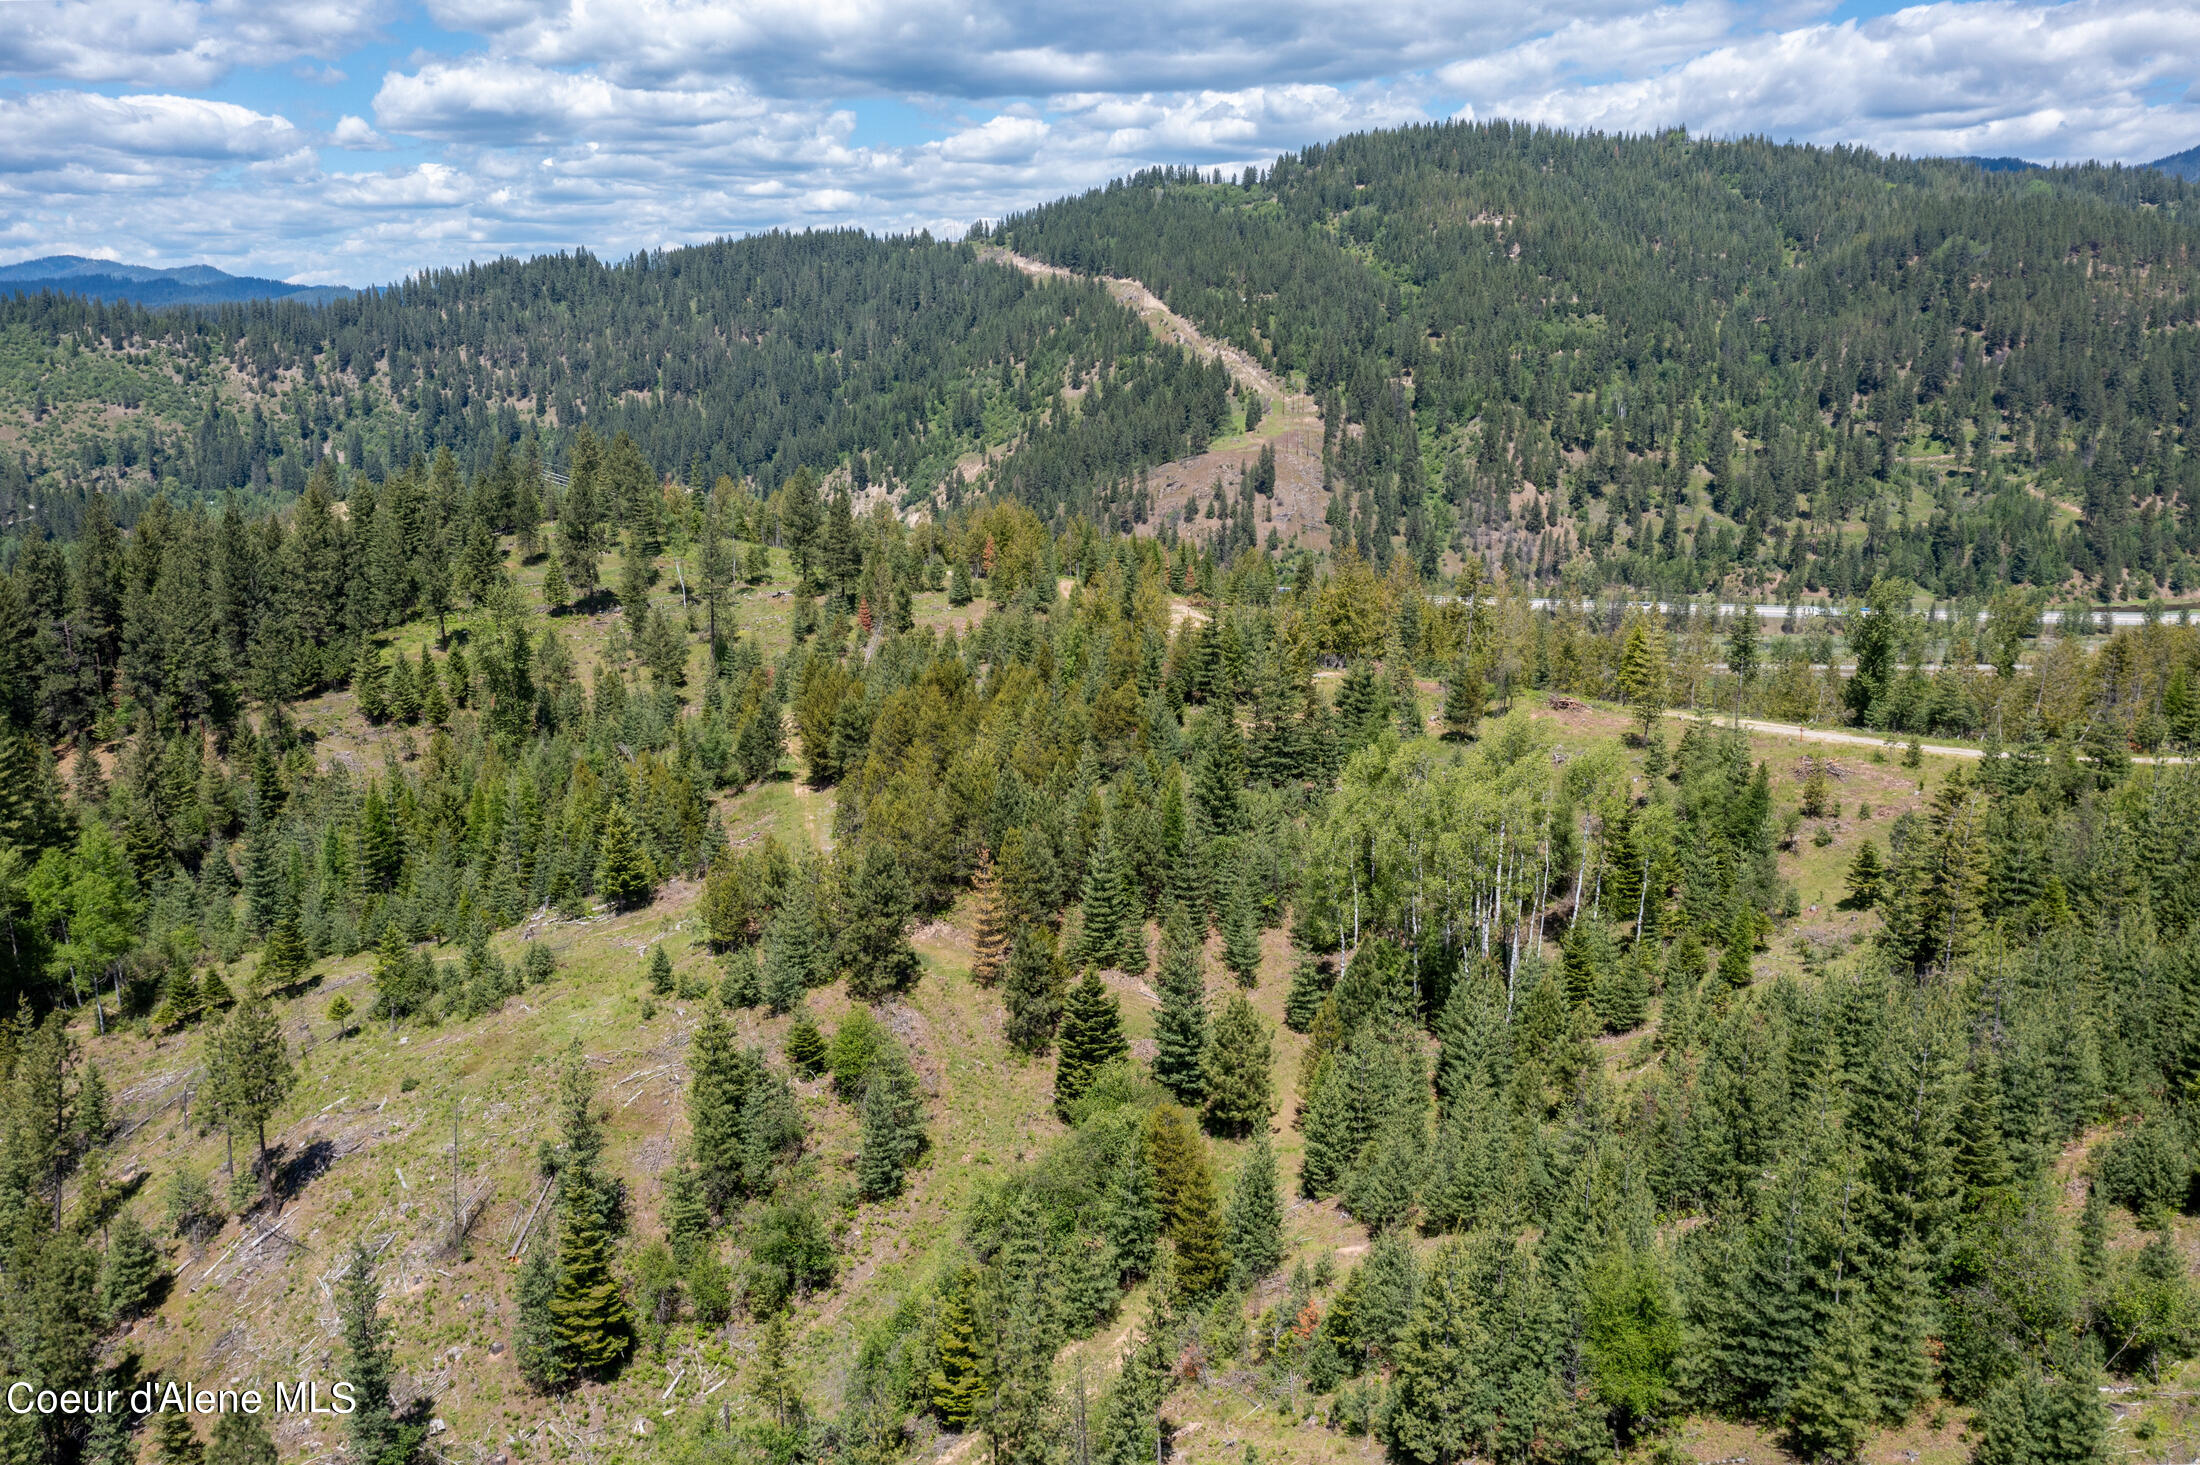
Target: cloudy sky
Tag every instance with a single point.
(353, 141)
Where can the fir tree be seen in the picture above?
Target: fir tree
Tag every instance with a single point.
(660, 970)
(534, 1332)
(1180, 1027)
(1465, 699)
(1624, 998)
(175, 1442)
(959, 1382)
(1327, 1123)
(1255, 1216)
(283, 959)
(1901, 1313)
(134, 1269)
(805, 1045)
(1240, 1089)
(250, 1074)
(2033, 1419)
(1131, 1213)
(1032, 995)
(588, 1314)
(1091, 1038)
(742, 984)
(2093, 1234)
(623, 876)
(240, 1439)
(872, 947)
(1184, 1185)
(1106, 904)
(1309, 985)
(1241, 927)
(892, 1125)
(793, 949)
(1734, 962)
(719, 1078)
(1866, 875)
(376, 1434)
(554, 591)
(991, 938)
(1831, 1411)
(1439, 1395)
(369, 683)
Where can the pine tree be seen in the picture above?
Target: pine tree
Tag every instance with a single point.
(805, 1045)
(134, 1269)
(1241, 927)
(623, 875)
(1734, 961)
(250, 1074)
(991, 937)
(1180, 1027)
(1032, 995)
(588, 1313)
(240, 1439)
(1240, 1089)
(1255, 1217)
(872, 947)
(660, 970)
(1091, 1038)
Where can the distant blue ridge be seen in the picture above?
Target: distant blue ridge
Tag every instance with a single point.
(2185, 165)
(111, 280)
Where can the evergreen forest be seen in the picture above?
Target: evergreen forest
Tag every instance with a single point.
(689, 859)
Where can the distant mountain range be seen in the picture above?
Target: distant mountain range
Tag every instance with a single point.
(106, 279)
(2185, 165)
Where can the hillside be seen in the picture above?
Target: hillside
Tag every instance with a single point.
(363, 1145)
(924, 878)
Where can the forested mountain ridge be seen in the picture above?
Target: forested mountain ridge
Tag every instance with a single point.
(1672, 364)
(1797, 366)
(887, 360)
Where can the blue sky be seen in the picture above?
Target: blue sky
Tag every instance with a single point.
(355, 141)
